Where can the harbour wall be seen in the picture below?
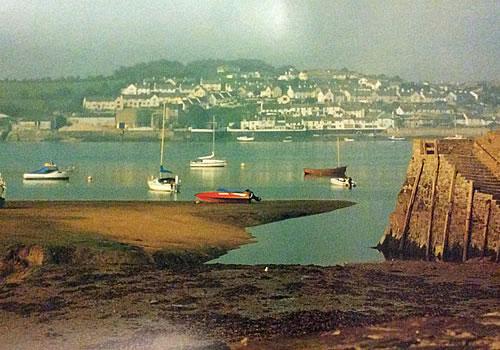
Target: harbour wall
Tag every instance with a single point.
(449, 205)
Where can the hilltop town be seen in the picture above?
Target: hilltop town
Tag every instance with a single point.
(244, 95)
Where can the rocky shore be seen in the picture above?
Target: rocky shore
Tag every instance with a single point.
(93, 276)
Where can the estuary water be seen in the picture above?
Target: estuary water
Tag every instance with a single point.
(273, 170)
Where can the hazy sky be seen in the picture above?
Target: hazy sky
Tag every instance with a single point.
(419, 40)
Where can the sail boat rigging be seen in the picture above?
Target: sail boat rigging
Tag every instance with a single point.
(339, 171)
(209, 161)
(161, 183)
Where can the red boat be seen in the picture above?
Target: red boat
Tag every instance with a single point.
(227, 196)
(339, 171)
(331, 172)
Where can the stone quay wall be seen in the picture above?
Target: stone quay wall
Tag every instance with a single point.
(449, 205)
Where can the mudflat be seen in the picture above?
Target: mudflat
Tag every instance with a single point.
(114, 275)
(151, 226)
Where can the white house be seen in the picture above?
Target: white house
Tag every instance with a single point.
(129, 90)
(369, 83)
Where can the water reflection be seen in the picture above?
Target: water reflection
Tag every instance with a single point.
(46, 183)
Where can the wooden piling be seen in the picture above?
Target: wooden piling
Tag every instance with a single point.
(414, 190)
(485, 230)
(446, 231)
(468, 222)
(431, 210)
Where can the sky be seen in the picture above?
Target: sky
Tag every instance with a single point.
(417, 40)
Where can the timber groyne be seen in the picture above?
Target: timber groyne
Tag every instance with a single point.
(449, 205)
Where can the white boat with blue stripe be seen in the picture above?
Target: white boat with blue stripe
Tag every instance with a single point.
(49, 171)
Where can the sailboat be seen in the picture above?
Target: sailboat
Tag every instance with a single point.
(339, 171)
(163, 183)
(209, 161)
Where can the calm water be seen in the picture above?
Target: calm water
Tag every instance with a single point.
(273, 170)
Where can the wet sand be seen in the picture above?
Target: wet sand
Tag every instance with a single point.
(54, 295)
(149, 225)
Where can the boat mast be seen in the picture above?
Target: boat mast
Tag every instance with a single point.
(162, 133)
(338, 152)
(213, 134)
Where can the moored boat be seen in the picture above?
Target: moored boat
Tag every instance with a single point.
(209, 161)
(396, 138)
(227, 196)
(245, 138)
(343, 182)
(339, 171)
(162, 183)
(49, 171)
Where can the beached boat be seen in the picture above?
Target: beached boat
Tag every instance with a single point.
(342, 182)
(49, 171)
(163, 183)
(227, 196)
(245, 138)
(209, 161)
(338, 171)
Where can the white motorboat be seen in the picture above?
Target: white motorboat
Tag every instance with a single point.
(245, 138)
(345, 182)
(49, 171)
(162, 183)
(348, 139)
(395, 138)
(287, 139)
(209, 161)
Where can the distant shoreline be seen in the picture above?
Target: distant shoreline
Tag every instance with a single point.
(115, 135)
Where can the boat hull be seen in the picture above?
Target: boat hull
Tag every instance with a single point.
(58, 175)
(245, 138)
(342, 182)
(225, 197)
(164, 184)
(331, 172)
(208, 163)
